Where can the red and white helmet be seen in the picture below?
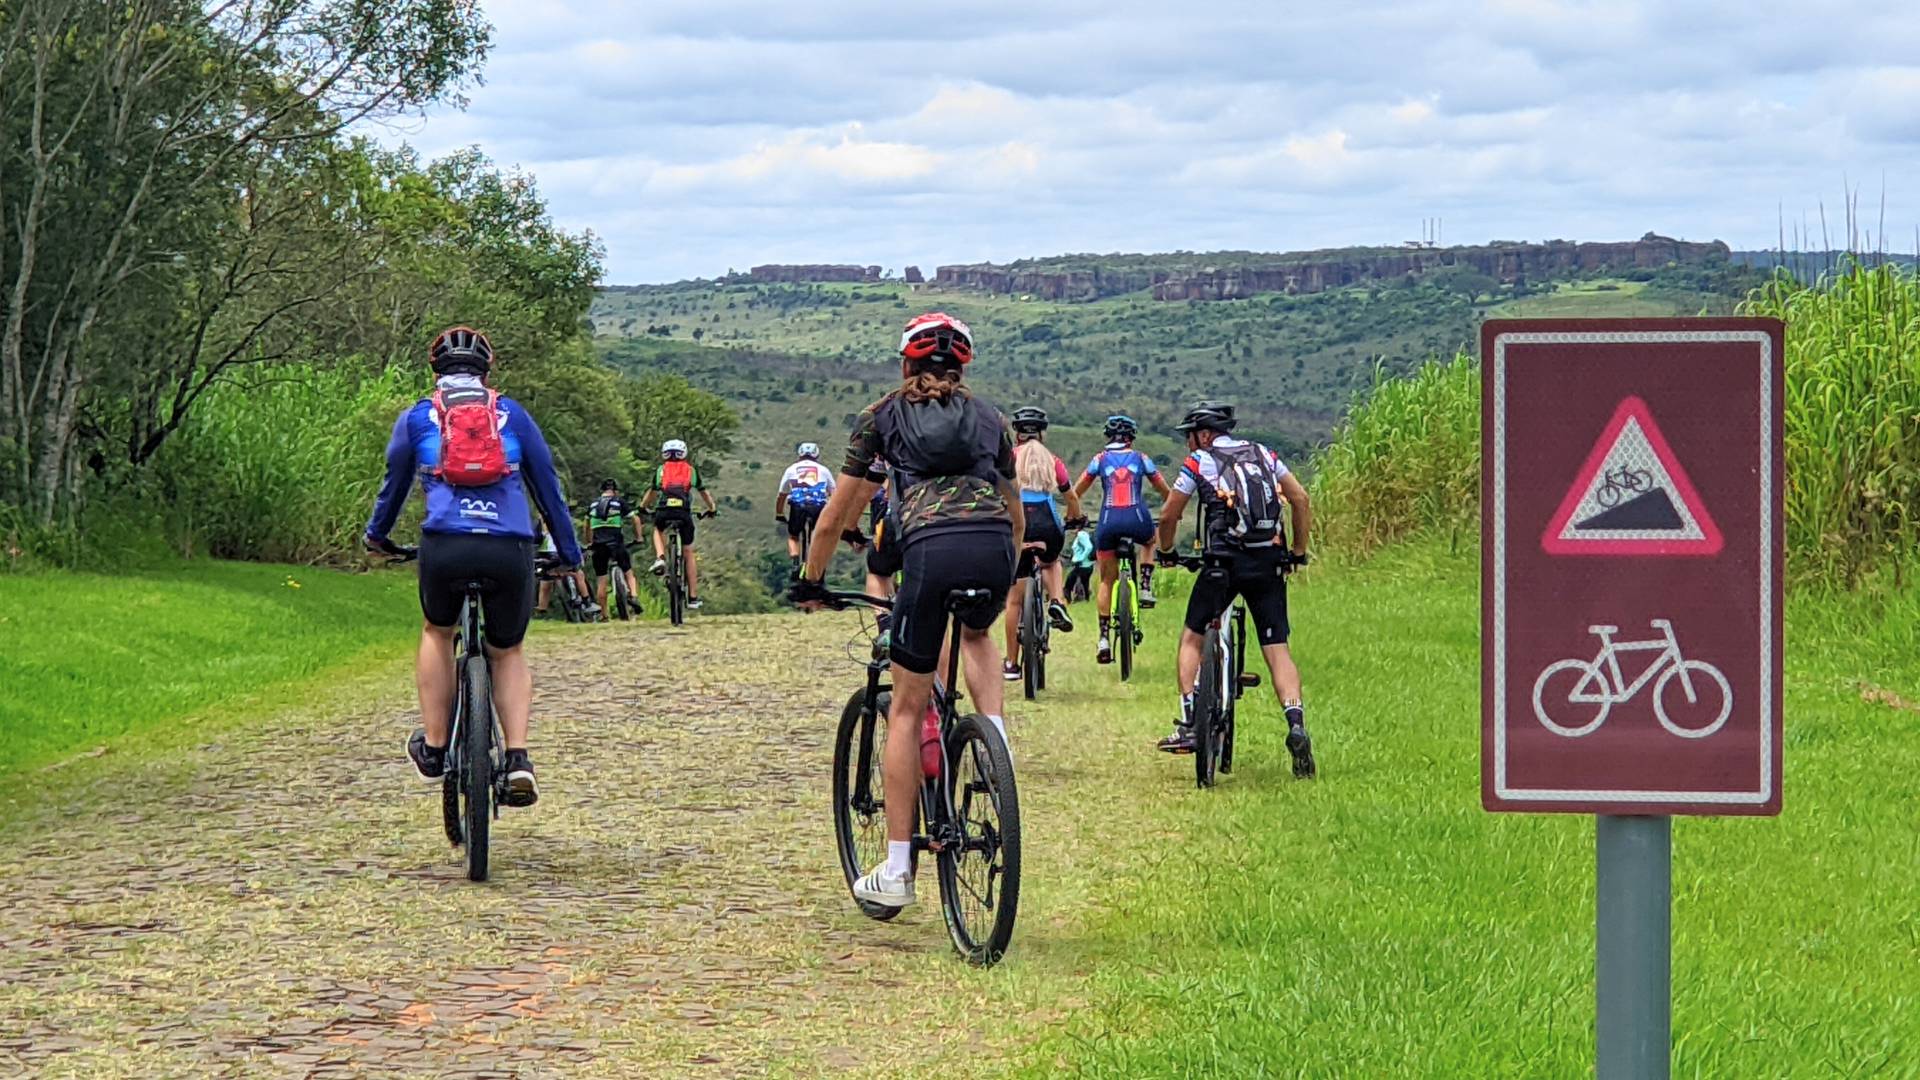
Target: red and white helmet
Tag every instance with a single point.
(934, 333)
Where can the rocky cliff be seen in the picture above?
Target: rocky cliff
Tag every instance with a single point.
(779, 272)
(1316, 272)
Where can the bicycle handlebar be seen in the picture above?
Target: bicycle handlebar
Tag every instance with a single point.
(841, 601)
(1289, 561)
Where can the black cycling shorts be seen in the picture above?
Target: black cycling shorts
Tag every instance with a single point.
(801, 519)
(678, 517)
(883, 553)
(1042, 528)
(933, 566)
(611, 551)
(502, 565)
(1259, 578)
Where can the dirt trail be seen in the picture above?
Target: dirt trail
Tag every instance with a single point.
(281, 900)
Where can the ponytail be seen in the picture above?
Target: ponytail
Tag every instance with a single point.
(928, 380)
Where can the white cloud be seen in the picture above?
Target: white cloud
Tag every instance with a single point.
(694, 134)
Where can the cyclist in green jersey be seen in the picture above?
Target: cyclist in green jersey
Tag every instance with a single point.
(675, 482)
(607, 518)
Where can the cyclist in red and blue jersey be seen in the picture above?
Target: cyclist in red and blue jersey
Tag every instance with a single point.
(1121, 470)
(478, 533)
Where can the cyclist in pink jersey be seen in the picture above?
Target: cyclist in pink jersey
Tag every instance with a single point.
(1122, 472)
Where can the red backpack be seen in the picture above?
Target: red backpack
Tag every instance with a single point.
(472, 454)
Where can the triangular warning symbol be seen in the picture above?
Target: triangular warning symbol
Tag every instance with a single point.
(1632, 497)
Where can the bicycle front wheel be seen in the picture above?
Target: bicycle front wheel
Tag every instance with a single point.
(1029, 645)
(980, 875)
(622, 599)
(1123, 608)
(476, 767)
(676, 590)
(859, 810)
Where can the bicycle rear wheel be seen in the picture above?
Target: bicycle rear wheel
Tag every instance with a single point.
(860, 826)
(622, 599)
(1123, 624)
(1029, 644)
(476, 767)
(980, 876)
(1208, 723)
(676, 588)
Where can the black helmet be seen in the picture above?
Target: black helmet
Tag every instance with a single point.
(1207, 416)
(461, 348)
(609, 484)
(1029, 419)
(1121, 427)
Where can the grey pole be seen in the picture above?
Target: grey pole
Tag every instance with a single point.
(1633, 959)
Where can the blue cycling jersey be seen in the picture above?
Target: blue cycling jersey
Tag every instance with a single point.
(498, 509)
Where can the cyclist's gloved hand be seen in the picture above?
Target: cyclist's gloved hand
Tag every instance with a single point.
(781, 518)
(807, 594)
(708, 513)
(1296, 560)
(1080, 522)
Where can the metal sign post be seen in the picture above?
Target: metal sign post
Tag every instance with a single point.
(1633, 947)
(1630, 619)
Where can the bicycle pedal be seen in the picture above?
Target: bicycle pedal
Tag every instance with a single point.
(1249, 679)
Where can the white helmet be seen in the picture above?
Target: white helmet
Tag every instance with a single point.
(673, 448)
(810, 451)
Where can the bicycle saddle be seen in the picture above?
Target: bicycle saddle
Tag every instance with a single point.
(961, 601)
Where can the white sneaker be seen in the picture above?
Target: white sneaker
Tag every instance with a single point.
(659, 567)
(880, 888)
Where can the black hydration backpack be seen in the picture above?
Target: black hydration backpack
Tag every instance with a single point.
(1249, 490)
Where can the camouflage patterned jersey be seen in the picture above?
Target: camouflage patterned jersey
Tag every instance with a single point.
(943, 504)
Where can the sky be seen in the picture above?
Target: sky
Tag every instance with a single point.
(697, 136)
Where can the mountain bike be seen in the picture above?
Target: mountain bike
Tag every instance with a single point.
(969, 808)
(575, 606)
(1127, 634)
(625, 604)
(1623, 481)
(1036, 637)
(1223, 679)
(674, 577)
(475, 783)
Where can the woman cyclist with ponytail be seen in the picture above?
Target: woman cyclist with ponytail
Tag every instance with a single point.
(1041, 476)
(950, 464)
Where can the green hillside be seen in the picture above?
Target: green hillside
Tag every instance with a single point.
(797, 361)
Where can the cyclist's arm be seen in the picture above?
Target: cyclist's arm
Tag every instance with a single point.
(1170, 513)
(841, 513)
(536, 470)
(1160, 485)
(1073, 504)
(1296, 495)
(398, 481)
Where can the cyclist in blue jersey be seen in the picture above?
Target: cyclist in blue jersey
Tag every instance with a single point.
(804, 490)
(1040, 476)
(473, 532)
(1123, 515)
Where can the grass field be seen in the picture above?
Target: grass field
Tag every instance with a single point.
(93, 659)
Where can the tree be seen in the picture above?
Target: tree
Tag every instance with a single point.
(128, 135)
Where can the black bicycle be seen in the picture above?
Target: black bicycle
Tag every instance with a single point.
(969, 810)
(625, 605)
(1036, 637)
(674, 577)
(475, 783)
(1223, 676)
(575, 606)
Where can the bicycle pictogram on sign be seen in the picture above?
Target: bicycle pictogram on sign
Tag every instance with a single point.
(1575, 687)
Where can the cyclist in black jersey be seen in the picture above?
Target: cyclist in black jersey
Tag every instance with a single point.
(607, 518)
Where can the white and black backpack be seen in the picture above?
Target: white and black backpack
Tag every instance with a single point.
(1248, 488)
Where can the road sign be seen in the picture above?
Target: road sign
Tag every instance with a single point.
(1631, 566)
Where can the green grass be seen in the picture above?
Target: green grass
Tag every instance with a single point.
(1378, 922)
(93, 659)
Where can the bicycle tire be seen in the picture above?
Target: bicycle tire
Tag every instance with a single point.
(476, 749)
(1044, 630)
(1123, 625)
(974, 746)
(855, 856)
(1029, 645)
(1237, 659)
(1207, 726)
(621, 597)
(676, 589)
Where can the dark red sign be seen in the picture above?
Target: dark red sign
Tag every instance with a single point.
(1631, 549)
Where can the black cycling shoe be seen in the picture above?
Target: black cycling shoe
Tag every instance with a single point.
(521, 790)
(1057, 615)
(429, 761)
(1301, 747)
(1180, 741)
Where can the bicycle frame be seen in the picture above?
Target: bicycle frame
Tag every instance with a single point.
(1610, 651)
